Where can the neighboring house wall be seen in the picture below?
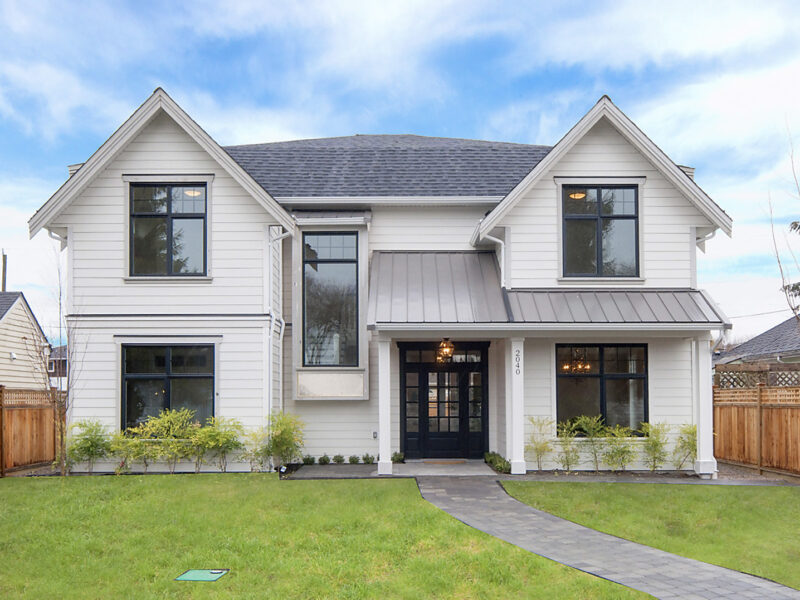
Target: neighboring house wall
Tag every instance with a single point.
(665, 223)
(29, 369)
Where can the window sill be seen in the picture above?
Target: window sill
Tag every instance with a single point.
(603, 281)
(168, 280)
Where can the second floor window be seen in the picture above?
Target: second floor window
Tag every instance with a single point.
(601, 231)
(168, 229)
(330, 299)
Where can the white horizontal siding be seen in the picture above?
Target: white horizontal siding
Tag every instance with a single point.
(96, 384)
(665, 224)
(423, 228)
(20, 335)
(99, 237)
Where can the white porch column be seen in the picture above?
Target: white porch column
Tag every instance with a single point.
(705, 465)
(515, 405)
(384, 408)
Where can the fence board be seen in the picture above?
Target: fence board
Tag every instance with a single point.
(27, 428)
(758, 426)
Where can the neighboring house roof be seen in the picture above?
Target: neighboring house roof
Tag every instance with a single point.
(7, 300)
(59, 352)
(388, 165)
(781, 340)
(614, 306)
(159, 101)
(628, 129)
(463, 288)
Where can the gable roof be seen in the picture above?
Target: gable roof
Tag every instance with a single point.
(605, 108)
(159, 101)
(387, 165)
(9, 299)
(783, 339)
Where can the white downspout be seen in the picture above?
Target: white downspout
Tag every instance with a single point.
(502, 257)
(273, 318)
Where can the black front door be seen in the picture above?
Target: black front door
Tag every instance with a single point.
(443, 406)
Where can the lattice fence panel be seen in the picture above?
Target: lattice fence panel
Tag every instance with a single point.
(740, 379)
(784, 378)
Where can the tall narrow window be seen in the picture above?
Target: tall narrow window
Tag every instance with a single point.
(608, 380)
(155, 378)
(330, 299)
(168, 229)
(601, 231)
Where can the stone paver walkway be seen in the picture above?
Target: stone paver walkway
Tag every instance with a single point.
(481, 503)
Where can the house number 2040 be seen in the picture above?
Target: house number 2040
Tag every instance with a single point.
(517, 361)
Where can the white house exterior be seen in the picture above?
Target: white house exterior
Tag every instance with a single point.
(23, 346)
(318, 277)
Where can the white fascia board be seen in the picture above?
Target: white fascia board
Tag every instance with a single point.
(389, 200)
(159, 100)
(629, 130)
(554, 327)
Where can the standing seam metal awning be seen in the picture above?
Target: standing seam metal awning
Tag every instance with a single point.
(460, 288)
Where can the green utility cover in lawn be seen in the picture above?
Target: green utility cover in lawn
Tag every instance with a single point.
(201, 575)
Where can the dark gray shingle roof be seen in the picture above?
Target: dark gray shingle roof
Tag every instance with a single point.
(388, 165)
(7, 300)
(781, 339)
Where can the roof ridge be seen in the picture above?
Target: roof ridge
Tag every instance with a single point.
(387, 135)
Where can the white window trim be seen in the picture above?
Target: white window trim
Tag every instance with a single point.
(204, 178)
(599, 181)
(166, 340)
(298, 327)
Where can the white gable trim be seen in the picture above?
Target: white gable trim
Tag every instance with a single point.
(628, 129)
(158, 101)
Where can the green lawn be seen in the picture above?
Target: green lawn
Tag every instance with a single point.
(751, 529)
(130, 536)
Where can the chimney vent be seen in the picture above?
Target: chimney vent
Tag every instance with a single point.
(73, 168)
(688, 170)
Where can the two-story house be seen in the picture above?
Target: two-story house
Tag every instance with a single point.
(398, 292)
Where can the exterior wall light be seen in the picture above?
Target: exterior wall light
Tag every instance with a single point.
(444, 353)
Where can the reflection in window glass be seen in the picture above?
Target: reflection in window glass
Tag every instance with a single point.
(331, 313)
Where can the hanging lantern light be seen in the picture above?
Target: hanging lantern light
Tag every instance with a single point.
(444, 353)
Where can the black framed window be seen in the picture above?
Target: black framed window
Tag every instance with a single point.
(155, 378)
(330, 299)
(602, 379)
(168, 229)
(600, 231)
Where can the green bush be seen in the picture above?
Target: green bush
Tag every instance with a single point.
(223, 437)
(256, 449)
(167, 436)
(397, 457)
(324, 459)
(338, 459)
(539, 442)
(368, 459)
(497, 462)
(569, 454)
(122, 449)
(594, 430)
(353, 460)
(655, 444)
(89, 444)
(685, 446)
(309, 460)
(618, 448)
(285, 438)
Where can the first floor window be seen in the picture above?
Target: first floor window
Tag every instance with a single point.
(168, 229)
(330, 299)
(156, 378)
(608, 380)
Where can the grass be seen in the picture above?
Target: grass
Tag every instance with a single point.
(747, 528)
(129, 537)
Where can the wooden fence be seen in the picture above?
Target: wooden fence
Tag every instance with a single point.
(27, 428)
(758, 426)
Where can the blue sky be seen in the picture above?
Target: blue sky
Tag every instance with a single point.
(715, 84)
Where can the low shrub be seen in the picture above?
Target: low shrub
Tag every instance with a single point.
(256, 449)
(368, 459)
(353, 460)
(497, 462)
(398, 457)
(655, 444)
(594, 430)
(569, 454)
(539, 442)
(309, 460)
(619, 451)
(324, 459)
(338, 459)
(89, 444)
(286, 438)
(685, 446)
